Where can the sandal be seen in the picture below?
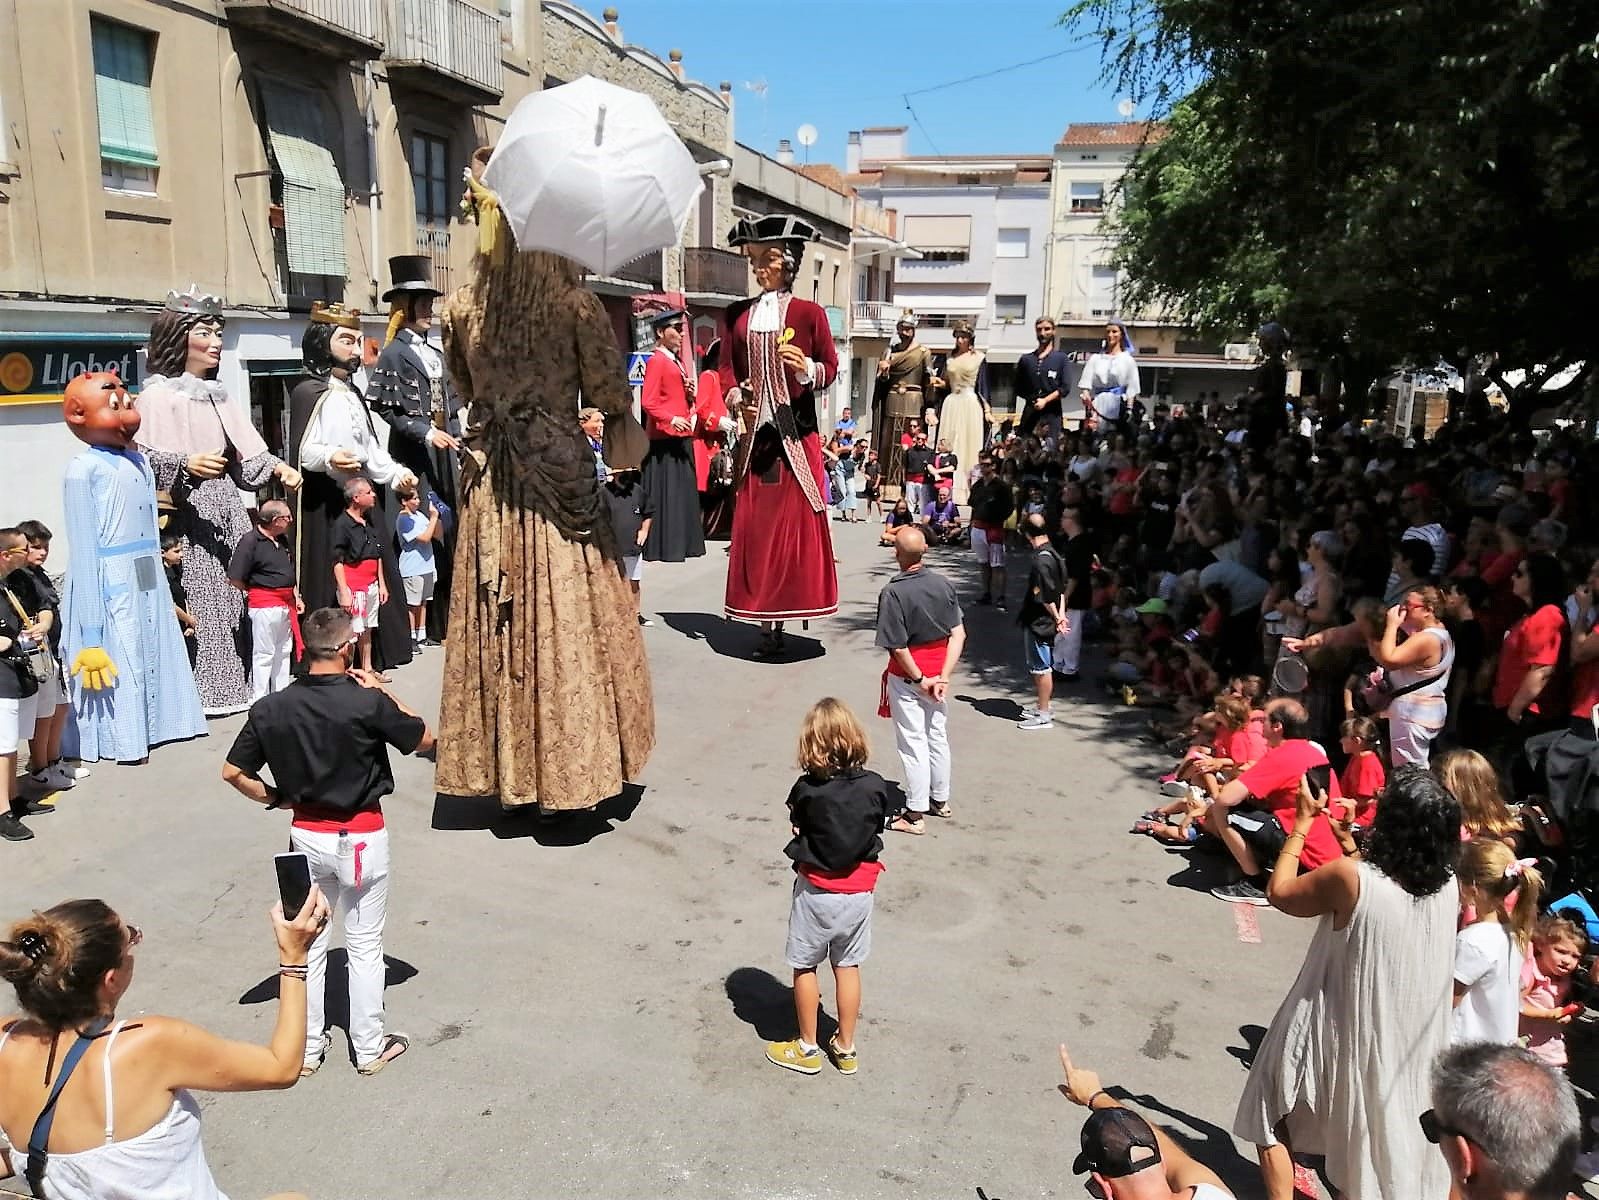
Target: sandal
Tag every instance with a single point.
(311, 1068)
(942, 809)
(904, 825)
(394, 1045)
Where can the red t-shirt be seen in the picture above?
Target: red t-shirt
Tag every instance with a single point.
(1274, 781)
(1362, 779)
(1585, 688)
(1533, 641)
(1246, 745)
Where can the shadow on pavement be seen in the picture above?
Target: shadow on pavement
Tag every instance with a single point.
(1201, 872)
(336, 990)
(565, 829)
(734, 639)
(1252, 1036)
(767, 1005)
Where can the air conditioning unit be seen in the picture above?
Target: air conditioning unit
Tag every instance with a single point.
(1238, 351)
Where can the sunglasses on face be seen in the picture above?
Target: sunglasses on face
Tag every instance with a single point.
(1433, 1129)
(135, 935)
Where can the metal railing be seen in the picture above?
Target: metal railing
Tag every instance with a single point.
(359, 19)
(869, 317)
(451, 36)
(435, 243)
(709, 271)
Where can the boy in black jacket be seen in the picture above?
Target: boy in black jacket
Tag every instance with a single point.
(838, 810)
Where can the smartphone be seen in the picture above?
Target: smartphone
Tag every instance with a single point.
(294, 882)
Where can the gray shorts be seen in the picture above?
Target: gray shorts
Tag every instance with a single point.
(831, 927)
(419, 589)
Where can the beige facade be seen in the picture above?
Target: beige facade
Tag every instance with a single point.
(1083, 287)
(272, 152)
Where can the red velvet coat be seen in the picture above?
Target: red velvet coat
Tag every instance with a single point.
(812, 335)
(709, 409)
(664, 396)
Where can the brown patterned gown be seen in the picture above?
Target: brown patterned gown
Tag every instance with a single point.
(546, 684)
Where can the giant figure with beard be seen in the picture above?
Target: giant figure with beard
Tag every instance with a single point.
(335, 437)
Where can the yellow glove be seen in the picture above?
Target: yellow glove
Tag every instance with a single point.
(96, 667)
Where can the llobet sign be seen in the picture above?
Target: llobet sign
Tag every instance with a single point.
(38, 371)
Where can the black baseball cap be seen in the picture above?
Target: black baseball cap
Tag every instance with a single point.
(1111, 1140)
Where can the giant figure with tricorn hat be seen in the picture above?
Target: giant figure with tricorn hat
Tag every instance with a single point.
(131, 686)
(780, 357)
(409, 388)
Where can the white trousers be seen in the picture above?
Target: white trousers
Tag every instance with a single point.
(913, 497)
(920, 734)
(271, 650)
(352, 870)
(1069, 645)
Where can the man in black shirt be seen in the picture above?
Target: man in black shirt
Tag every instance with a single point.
(919, 624)
(326, 739)
(1077, 551)
(918, 458)
(263, 570)
(1040, 379)
(1043, 615)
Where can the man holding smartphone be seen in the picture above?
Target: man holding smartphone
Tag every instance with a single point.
(326, 738)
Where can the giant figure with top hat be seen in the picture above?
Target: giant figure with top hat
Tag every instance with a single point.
(409, 389)
(335, 439)
(204, 452)
(779, 357)
(131, 684)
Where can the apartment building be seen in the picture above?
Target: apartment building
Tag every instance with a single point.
(274, 152)
(980, 225)
(1084, 287)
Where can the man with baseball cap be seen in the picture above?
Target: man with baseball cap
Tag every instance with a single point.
(1120, 1148)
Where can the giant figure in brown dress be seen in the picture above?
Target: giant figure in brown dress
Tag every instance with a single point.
(546, 694)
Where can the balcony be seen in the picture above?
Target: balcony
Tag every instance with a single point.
(448, 48)
(645, 274)
(435, 243)
(715, 273)
(873, 318)
(340, 29)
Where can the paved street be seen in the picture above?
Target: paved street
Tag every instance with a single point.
(588, 1005)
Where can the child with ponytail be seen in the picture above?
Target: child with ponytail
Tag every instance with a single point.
(1502, 891)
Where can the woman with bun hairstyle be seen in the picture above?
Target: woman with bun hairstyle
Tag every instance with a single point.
(108, 1099)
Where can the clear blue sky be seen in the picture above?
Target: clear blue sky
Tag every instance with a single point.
(843, 64)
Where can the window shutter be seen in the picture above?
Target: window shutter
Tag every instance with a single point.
(122, 94)
(313, 191)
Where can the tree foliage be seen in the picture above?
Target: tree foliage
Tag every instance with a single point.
(1416, 179)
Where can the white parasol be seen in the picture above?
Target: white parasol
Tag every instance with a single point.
(592, 171)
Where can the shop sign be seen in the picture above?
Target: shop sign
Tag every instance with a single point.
(37, 370)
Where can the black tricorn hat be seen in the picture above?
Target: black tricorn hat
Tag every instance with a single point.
(775, 227)
(411, 273)
(666, 317)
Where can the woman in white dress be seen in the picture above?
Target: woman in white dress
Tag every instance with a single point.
(1344, 1069)
(1109, 383)
(965, 408)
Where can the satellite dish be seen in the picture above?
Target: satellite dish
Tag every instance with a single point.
(1126, 107)
(805, 135)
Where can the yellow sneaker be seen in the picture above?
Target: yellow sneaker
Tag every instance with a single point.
(1129, 697)
(847, 1061)
(791, 1056)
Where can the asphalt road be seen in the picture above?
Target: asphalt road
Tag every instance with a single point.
(588, 1003)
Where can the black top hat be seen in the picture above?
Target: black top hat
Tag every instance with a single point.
(776, 227)
(412, 274)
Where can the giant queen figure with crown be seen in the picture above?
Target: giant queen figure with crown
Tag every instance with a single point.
(203, 450)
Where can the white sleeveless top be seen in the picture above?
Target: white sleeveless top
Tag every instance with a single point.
(1429, 695)
(165, 1162)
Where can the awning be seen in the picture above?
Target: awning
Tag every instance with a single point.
(878, 243)
(313, 191)
(928, 232)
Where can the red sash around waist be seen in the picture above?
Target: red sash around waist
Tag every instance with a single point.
(929, 660)
(265, 597)
(358, 576)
